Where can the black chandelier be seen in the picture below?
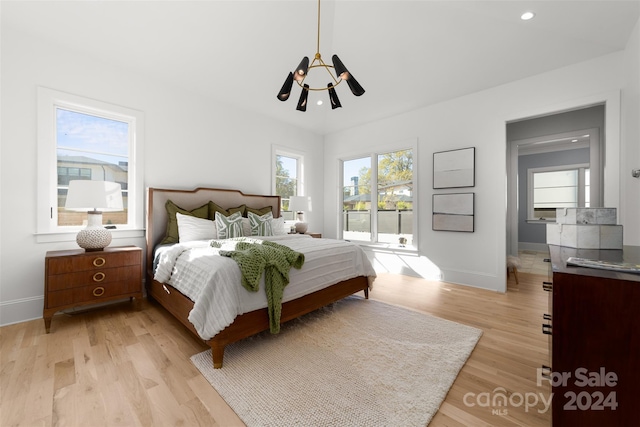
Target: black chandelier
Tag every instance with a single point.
(302, 70)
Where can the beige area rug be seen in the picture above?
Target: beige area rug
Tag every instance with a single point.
(355, 363)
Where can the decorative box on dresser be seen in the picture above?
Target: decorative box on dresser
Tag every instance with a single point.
(594, 323)
(75, 278)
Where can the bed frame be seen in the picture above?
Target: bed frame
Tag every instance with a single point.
(247, 324)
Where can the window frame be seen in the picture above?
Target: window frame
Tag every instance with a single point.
(47, 229)
(299, 156)
(373, 155)
(580, 167)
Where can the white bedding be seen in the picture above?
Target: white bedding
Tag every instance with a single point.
(213, 281)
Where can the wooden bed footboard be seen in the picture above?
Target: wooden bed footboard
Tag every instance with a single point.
(251, 323)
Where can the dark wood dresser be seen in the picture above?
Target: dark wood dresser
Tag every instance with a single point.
(75, 278)
(594, 328)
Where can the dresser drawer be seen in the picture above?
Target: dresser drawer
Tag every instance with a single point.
(101, 276)
(66, 264)
(93, 293)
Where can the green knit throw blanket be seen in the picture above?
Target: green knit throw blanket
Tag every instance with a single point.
(255, 257)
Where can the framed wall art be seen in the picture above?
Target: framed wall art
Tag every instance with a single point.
(454, 168)
(453, 212)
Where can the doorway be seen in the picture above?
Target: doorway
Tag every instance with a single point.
(571, 140)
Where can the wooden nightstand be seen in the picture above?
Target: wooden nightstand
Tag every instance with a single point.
(314, 235)
(75, 278)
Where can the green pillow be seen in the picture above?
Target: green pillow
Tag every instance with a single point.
(213, 208)
(172, 235)
(261, 211)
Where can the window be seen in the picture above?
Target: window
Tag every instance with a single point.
(84, 139)
(387, 217)
(557, 187)
(287, 180)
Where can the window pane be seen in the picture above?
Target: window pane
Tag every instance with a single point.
(357, 199)
(286, 183)
(587, 188)
(91, 147)
(395, 197)
(555, 179)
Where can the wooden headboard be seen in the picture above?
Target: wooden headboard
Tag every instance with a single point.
(191, 199)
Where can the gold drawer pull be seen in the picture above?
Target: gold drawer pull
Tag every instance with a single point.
(99, 276)
(99, 262)
(98, 292)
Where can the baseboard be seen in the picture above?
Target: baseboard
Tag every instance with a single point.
(21, 310)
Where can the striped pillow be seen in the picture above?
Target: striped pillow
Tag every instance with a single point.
(229, 226)
(261, 225)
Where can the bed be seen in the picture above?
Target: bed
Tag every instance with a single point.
(257, 320)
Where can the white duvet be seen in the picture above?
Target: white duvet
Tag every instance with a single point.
(213, 282)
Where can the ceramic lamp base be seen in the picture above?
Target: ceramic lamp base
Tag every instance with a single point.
(301, 227)
(95, 237)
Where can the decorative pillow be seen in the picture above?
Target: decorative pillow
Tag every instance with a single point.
(260, 211)
(229, 226)
(213, 208)
(194, 228)
(260, 225)
(246, 227)
(172, 235)
(277, 226)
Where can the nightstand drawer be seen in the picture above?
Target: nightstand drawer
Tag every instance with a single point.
(92, 293)
(65, 264)
(93, 277)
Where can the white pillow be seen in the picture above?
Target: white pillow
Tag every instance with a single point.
(277, 225)
(246, 227)
(192, 228)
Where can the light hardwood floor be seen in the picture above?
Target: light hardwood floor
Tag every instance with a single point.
(117, 366)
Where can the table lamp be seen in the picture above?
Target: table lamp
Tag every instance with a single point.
(94, 197)
(300, 204)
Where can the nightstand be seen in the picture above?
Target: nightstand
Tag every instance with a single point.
(74, 278)
(314, 235)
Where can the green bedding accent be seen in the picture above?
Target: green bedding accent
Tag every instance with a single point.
(255, 257)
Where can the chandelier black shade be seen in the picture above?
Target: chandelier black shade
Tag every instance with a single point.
(284, 93)
(344, 74)
(333, 97)
(301, 70)
(304, 69)
(302, 102)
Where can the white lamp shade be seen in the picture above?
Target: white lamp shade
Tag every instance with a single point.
(300, 204)
(84, 195)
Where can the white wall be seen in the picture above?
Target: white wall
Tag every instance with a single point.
(479, 120)
(630, 151)
(190, 141)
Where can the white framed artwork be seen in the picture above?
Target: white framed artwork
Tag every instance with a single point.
(453, 212)
(454, 168)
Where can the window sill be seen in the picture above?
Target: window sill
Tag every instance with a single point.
(540, 221)
(387, 247)
(70, 236)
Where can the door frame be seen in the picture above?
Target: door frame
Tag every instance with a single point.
(547, 144)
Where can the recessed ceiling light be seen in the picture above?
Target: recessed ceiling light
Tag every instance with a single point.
(319, 102)
(527, 15)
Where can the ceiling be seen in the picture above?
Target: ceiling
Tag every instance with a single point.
(406, 54)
